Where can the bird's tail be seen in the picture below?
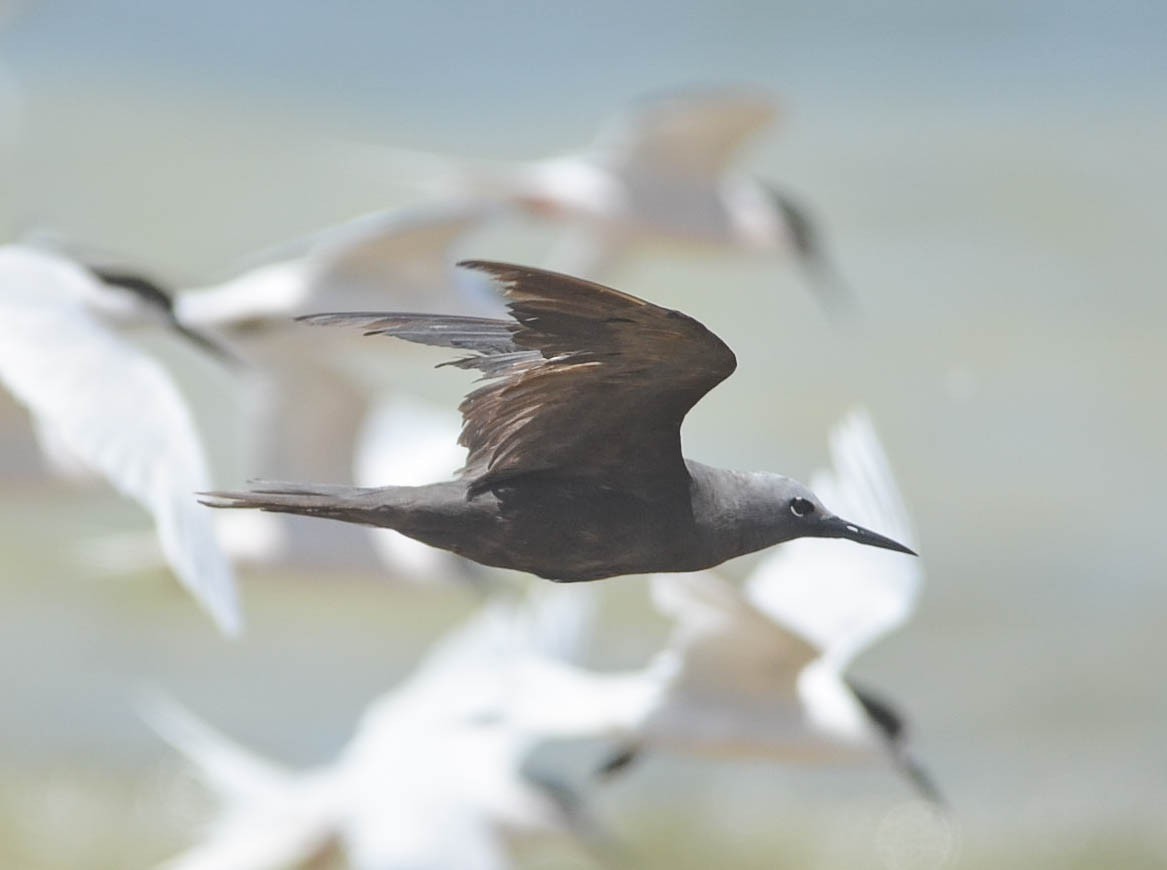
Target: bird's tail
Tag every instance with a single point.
(351, 504)
(268, 816)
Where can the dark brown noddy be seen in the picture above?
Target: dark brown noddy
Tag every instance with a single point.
(574, 469)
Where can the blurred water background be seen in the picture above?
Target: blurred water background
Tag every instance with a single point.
(991, 176)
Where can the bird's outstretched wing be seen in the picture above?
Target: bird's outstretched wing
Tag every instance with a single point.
(691, 134)
(842, 598)
(584, 381)
(115, 409)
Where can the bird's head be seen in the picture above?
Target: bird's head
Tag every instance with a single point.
(802, 515)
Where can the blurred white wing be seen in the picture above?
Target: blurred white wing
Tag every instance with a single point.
(464, 674)
(270, 817)
(232, 772)
(490, 664)
(837, 595)
(114, 408)
(414, 243)
(253, 841)
(420, 829)
(58, 458)
(588, 252)
(563, 620)
(691, 135)
(722, 647)
(385, 260)
(409, 442)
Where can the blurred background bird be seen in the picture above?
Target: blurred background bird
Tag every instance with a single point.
(311, 406)
(103, 406)
(437, 773)
(662, 173)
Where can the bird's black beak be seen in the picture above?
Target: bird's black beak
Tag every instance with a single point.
(812, 256)
(208, 345)
(837, 527)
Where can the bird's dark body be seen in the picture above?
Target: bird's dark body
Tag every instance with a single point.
(560, 528)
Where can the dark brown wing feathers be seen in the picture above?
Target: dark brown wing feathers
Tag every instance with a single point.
(586, 381)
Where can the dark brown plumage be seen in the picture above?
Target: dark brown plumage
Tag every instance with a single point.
(585, 380)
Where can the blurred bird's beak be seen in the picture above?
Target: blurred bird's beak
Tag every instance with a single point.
(837, 527)
(812, 257)
(208, 345)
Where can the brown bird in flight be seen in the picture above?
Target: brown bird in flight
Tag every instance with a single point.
(574, 469)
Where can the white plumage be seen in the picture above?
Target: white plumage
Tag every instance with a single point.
(112, 407)
(434, 776)
(317, 413)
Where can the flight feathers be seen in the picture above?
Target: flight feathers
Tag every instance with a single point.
(573, 351)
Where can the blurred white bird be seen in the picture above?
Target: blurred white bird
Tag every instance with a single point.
(659, 173)
(315, 413)
(759, 671)
(436, 775)
(401, 256)
(64, 355)
(312, 405)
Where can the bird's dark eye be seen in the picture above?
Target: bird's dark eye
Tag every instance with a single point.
(800, 507)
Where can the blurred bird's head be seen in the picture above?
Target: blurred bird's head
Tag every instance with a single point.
(142, 298)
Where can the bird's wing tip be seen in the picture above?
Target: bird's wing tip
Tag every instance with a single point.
(229, 620)
(494, 268)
